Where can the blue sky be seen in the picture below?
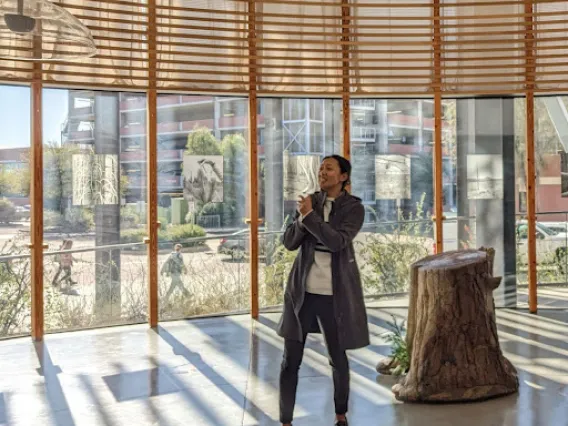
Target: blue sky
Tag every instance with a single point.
(15, 115)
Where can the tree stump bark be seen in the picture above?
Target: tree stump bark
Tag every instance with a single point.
(451, 331)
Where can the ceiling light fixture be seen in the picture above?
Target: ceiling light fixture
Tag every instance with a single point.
(38, 30)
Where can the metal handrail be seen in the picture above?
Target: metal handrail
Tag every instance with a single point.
(14, 257)
(398, 221)
(547, 213)
(125, 245)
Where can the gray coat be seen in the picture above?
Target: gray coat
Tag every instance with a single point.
(345, 221)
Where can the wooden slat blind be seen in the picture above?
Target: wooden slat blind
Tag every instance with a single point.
(484, 47)
(392, 49)
(203, 45)
(120, 32)
(551, 46)
(290, 52)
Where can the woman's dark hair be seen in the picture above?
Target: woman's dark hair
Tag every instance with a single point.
(344, 166)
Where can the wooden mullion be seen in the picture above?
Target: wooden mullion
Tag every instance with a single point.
(152, 170)
(36, 196)
(530, 157)
(437, 157)
(253, 161)
(346, 80)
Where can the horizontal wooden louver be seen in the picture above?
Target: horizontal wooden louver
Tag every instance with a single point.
(298, 58)
(483, 47)
(392, 49)
(119, 28)
(551, 52)
(203, 46)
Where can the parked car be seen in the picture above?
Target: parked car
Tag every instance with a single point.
(22, 213)
(557, 226)
(237, 245)
(551, 245)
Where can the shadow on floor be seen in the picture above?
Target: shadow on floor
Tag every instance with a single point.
(55, 396)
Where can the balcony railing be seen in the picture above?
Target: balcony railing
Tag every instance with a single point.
(363, 133)
(364, 149)
(363, 104)
(81, 136)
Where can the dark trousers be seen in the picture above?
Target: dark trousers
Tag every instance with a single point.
(320, 308)
(66, 276)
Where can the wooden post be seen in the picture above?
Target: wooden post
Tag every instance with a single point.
(253, 161)
(36, 226)
(437, 157)
(530, 154)
(346, 86)
(152, 169)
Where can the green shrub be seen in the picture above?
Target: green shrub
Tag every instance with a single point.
(278, 267)
(133, 236)
(52, 219)
(79, 219)
(75, 220)
(399, 350)
(386, 256)
(129, 217)
(164, 223)
(182, 233)
(279, 263)
(176, 234)
(7, 211)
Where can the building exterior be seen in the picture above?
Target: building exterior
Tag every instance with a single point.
(295, 126)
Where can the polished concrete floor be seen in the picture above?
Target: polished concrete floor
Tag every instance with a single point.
(224, 371)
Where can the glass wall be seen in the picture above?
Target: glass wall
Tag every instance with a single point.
(482, 141)
(95, 168)
(551, 162)
(95, 270)
(391, 147)
(15, 297)
(202, 195)
(294, 136)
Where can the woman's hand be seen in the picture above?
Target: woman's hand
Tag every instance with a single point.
(305, 205)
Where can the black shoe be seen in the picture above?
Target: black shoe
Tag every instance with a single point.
(341, 423)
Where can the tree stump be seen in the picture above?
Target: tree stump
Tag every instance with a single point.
(451, 331)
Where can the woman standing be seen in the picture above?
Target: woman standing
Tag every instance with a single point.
(324, 286)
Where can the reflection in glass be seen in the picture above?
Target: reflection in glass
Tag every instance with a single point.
(202, 191)
(296, 135)
(95, 272)
(15, 297)
(483, 141)
(551, 163)
(392, 172)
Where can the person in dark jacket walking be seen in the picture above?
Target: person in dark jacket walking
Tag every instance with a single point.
(324, 287)
(174, 268)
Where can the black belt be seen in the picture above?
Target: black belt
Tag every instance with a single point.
(322, 248)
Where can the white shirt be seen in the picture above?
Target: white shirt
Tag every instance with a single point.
(319, 279)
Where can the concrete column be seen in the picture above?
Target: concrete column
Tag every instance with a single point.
(308, 129)
(107, 217)
(216, 116)
(421, 125)
(486, 126)
(336, 125)
(274, 168)
(383, 207)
